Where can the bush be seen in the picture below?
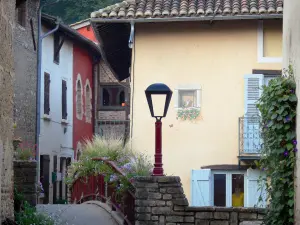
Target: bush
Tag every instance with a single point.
(278, 105)
(130, 162)
(29, 216)
(25, 151)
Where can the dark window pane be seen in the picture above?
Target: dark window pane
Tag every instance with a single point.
(220, 190)
(64, 99)
(106, 97)
(122, 98)
(238, 190)
(56, 48)
(46, 93)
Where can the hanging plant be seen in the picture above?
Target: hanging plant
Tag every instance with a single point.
(278, 110)
(188, 113)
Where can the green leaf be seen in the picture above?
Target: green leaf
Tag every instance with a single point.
(274, 116)
(289, 146)
(293, 98)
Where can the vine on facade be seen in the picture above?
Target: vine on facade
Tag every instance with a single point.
(278, 110)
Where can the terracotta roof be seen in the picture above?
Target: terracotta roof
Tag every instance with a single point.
(135, 9)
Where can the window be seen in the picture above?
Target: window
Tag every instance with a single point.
(64, 113)
(187, 99)
(56, 51)
(21, 12)
(79, 104)
(88, 103)
(187, 96)
(112, 96)
(269, 41)
(46, 93)
(228, 188)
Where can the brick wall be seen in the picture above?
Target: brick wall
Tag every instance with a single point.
(161, 201)
(7, 17)
(25, 173)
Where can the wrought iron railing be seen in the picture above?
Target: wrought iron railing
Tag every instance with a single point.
(114, 128)
(250, 138)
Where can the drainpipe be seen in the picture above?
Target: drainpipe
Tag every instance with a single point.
(132, 46)
(38, 85)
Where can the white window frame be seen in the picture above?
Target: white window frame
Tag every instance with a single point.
(188, 87)
(260, 47)
(89, 98)
(228, 185)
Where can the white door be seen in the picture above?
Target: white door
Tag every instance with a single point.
(256, 195)
(201, 187)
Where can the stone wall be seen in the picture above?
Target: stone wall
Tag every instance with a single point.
(161, 201)
(26, 75)
(25, 173)
(7, 17)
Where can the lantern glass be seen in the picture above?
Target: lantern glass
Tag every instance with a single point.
(159, 102)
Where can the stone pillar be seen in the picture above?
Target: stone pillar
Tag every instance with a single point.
(160, 201)
(25, 179)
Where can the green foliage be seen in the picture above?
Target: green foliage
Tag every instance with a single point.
(29, 216)
(131, 163)
(25, 151)
(188, 113)
(278, 110)
(71, 11)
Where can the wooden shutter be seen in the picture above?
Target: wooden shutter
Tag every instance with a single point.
(255, 190)
(64, 99)
(253, 91)
(46, 93)
(201, 187)
(56, 47)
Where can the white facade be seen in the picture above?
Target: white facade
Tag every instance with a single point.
(56, 134)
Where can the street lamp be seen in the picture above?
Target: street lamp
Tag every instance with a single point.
(161, 95)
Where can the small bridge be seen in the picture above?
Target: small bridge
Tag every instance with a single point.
(94, 190)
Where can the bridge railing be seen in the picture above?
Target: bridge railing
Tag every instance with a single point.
(95, 188)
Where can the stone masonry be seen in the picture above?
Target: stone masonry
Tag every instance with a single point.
(7, 22)
(161, 201)
(26, 75)
(25, 179)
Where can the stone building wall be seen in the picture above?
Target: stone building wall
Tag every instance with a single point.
(7, 18)
(25, 180)
(26, 75)
(161, 201)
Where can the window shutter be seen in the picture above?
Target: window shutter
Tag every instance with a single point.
(64, 99)
(201, 187)
(198, 98)
(46, 93)
(255, 190)
(253, 91)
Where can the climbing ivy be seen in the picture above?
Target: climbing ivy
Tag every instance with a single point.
(278, 111)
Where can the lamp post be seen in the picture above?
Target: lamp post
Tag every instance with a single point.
(164, 94)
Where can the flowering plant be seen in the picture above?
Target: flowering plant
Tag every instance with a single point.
(25, 151)
(188, 113)
(278, 110)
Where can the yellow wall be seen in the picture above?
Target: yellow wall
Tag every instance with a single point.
(214, 56)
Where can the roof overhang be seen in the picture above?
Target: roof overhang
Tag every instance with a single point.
(113, 35)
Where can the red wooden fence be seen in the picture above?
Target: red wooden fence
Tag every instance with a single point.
(95, 188)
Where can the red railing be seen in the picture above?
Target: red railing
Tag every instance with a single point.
(95, 188)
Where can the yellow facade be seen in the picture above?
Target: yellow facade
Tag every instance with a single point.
(213, 56)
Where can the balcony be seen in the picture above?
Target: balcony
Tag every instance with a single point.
(250, 138)
(118, 129)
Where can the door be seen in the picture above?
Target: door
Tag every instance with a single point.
(201, 187)
(45, 172)
(256, 190)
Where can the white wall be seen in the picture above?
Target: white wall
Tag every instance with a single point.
(56, 138)
(291, 56)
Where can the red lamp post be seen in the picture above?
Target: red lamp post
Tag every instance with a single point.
(164, 91)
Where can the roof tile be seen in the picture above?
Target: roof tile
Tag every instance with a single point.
(133, 9)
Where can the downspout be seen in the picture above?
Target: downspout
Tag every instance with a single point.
(131, 45)
(38, 84)
(95, 82)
